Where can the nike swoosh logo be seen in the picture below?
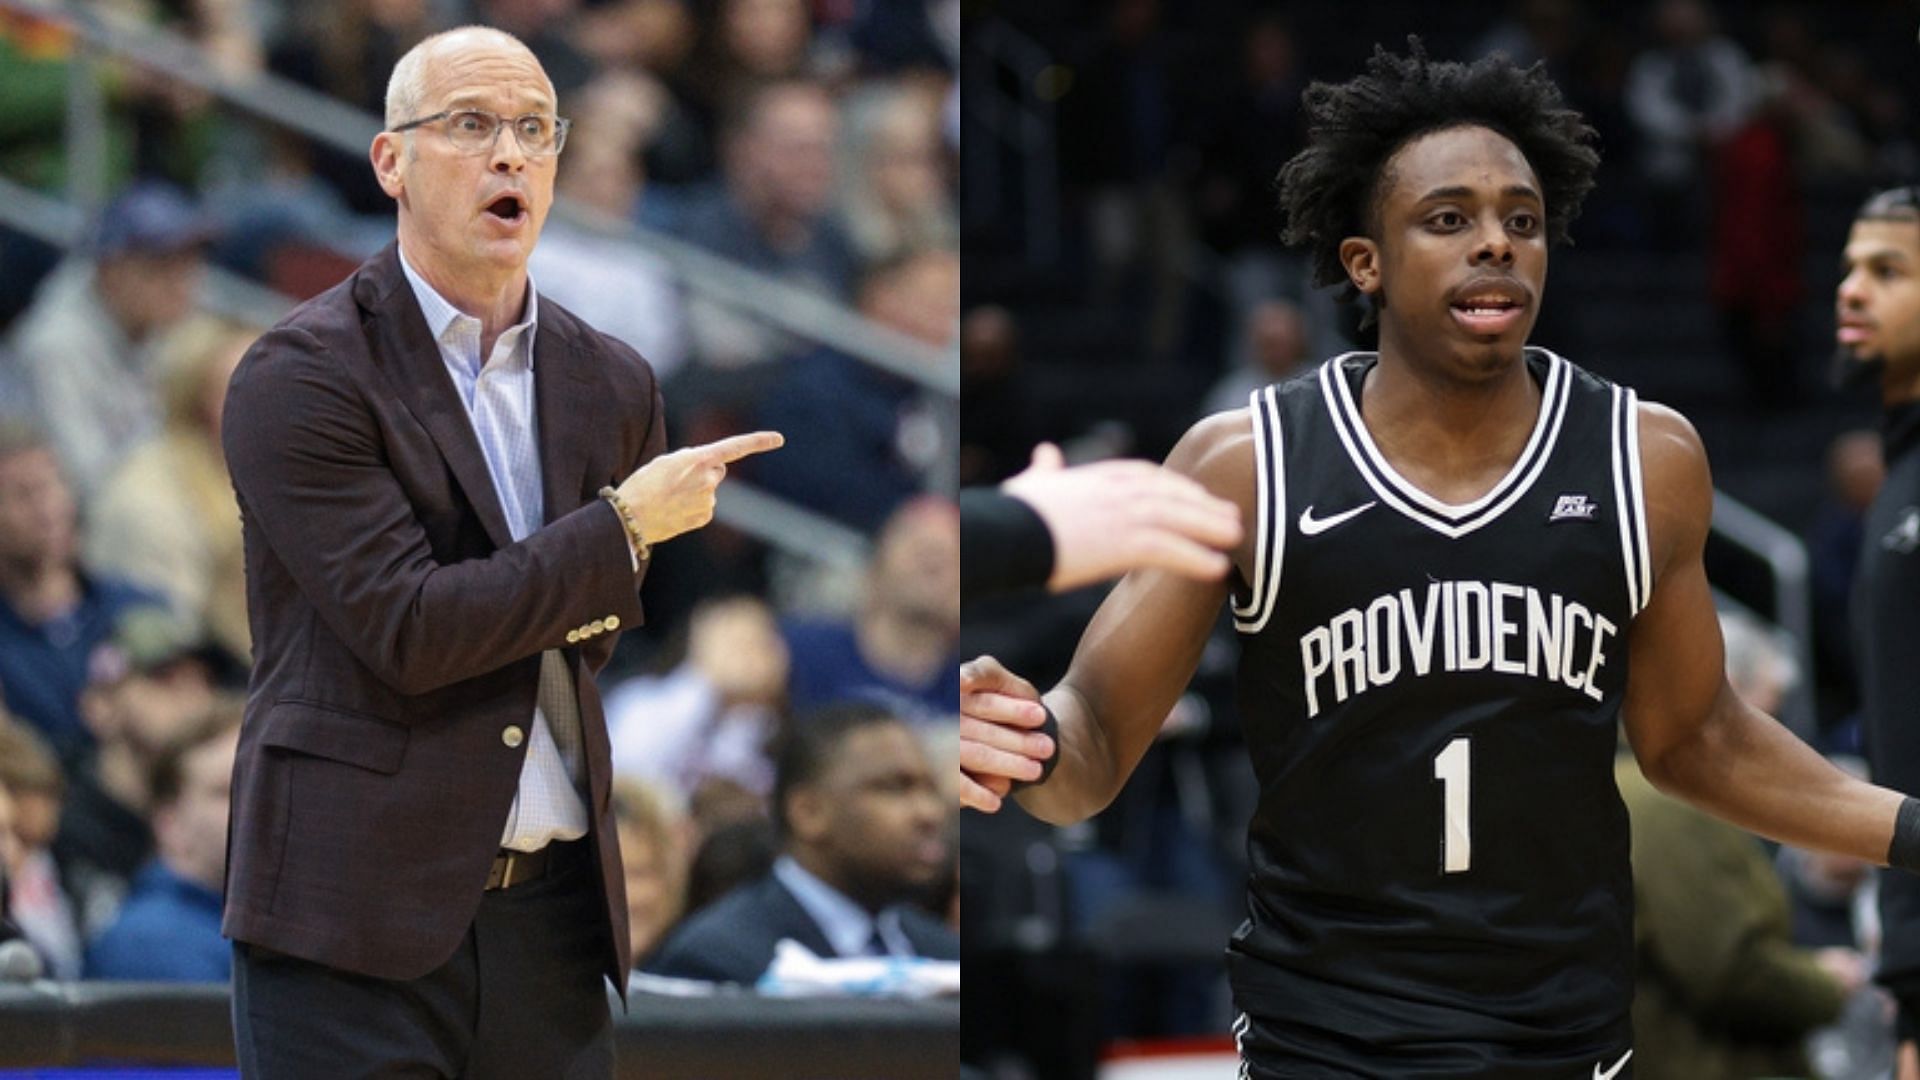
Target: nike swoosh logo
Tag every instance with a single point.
(1598, 1074)
(1313, 526)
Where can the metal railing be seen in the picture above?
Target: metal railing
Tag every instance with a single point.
(1792, 601)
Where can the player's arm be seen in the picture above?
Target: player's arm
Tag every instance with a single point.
(1694, 737)
(1143, 645)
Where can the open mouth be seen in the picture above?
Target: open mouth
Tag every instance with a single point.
(1487, 315)
(1487, 305)
(508, 208)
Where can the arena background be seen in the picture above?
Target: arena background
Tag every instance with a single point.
(1124, 277)
(256, 115)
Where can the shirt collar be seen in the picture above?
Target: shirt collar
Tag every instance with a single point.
(444, 319)
(846, 925)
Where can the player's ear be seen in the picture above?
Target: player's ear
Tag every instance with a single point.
(1361, 256)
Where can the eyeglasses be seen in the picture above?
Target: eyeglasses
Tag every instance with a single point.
(474, 131)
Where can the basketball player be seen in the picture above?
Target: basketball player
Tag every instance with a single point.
(1466, 560)
(1878, 310)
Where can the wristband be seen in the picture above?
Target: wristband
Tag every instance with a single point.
(641, 549)
(1049, 727)
(1904, 852)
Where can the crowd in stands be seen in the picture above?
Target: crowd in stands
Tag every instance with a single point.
(781, 724)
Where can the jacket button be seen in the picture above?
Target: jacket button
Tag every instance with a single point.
(597, 626)
(573, 637)
(613, 622)
(513, 736)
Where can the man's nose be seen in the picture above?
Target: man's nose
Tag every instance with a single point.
(508, 157)
(1495, 246)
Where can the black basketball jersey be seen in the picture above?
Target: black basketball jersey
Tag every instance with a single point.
(1439, 859)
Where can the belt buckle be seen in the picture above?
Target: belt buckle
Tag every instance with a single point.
(506, 874)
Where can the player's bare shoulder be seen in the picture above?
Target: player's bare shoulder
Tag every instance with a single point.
(1218, 451)
(1676, 481)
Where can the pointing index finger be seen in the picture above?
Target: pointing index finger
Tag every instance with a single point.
(734, 447)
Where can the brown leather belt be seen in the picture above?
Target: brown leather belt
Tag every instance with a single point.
(512, 868)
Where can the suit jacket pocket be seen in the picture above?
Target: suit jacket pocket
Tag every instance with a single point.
(365, 741)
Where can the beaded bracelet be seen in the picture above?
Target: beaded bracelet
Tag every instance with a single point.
(641, 549)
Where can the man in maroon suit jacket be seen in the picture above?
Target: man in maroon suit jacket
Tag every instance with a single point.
(449, 489)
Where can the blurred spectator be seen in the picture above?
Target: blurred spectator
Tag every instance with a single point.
(653, 849)
(714, 715)
(35, 57)
(654, 36)
(167, 520)
(345, 49)
(609, 281)
(152, 126)
(728, 857)
(1722, 991)
(1273, 346)
(899, 651)
(53, 615)
(657, 38)
(84, 347)
(1855, 470)
(1534, 31)
(1756, 282)
(851, 419)
(31, 776)
(545, 27)
(895, 200)
(1118, 136)
(748, 44)
(999, 424)
(1686, 93)
(770, 213)
(169, 928)
(148, 686)
(863, 832)
(1245, 137)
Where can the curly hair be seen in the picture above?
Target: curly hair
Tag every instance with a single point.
(1332, 189)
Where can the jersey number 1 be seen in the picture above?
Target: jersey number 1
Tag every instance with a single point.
(1453, 768)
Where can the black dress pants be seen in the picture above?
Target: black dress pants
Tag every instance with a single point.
(523, 996)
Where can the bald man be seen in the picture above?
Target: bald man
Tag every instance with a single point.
(450, 488)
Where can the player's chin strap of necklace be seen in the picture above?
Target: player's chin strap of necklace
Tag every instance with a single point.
(1050, 727)
(1904, 852)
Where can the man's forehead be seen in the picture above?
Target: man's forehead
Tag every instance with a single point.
(1881, 237)
(880, 750)
(475, 73)
(1469, 156)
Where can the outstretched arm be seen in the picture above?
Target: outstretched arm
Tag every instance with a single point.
(1132, 664)
(1694, 737)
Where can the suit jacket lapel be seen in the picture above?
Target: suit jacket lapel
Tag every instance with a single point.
(787, 913)
(568, 411)
(406, 347)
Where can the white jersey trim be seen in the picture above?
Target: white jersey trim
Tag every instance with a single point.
(1637, 490)
(1630, 497)
(1448, 519)
(1270, 542)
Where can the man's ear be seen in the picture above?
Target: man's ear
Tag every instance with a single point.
(1361, 256)
(808, 814)
(386, 153)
